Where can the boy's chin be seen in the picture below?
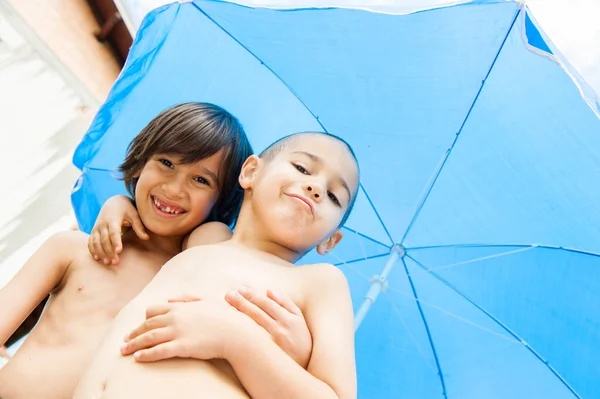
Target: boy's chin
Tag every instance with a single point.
(296, 240)
(164, 229)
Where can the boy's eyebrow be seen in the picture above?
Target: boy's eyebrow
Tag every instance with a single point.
(207, 171)
(318, 159)
(211, 174)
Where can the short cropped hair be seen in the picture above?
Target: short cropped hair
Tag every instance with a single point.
(194, 131)
(274, 149)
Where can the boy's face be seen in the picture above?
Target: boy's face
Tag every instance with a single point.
(173, 198)
(303, 193)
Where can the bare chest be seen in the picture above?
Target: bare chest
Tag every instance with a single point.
(210, 274)
(94, 291)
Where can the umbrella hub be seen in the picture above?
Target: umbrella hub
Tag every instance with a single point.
(379, 283)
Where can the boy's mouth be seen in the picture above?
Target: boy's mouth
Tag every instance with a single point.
(306, 203)
(167, 206)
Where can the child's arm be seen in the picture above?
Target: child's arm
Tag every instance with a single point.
(172, 330)
(266, 372)
(206, 234)
(104, 242)
(40, 275)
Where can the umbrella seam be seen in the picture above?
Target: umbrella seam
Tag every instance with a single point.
(551, 247)
(376, 213)
(262, 63)
(367, 237)
(501, 324)
(449, 151)
(426, 325)
(293, 93)
(343, 262)
(454, 315)
(410, 333)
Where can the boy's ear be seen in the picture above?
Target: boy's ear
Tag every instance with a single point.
(327, 245)
(248, 171)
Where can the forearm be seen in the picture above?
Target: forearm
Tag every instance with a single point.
(267, 372)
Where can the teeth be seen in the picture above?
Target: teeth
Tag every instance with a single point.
(165, 209)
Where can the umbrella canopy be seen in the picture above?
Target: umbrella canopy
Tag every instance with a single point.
(473, 250)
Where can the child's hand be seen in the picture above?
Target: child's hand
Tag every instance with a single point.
(280, 317)
(105, 242)
(187, 328)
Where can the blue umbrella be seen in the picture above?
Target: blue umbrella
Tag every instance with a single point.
(473, 250)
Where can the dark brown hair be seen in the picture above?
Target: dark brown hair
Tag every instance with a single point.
(194, 131)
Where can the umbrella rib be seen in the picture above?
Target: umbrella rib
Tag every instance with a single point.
(502, 325)
(426, 325)
(466, 262)
(343, 262)
(376, 213)
(262, 63)
(366, 237)
(437, 173)
(455, 316)
(409, 331)
(553, 247)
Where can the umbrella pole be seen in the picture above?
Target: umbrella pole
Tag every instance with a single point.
(378, 284)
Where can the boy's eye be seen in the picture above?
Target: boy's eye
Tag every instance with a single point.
(166, 162)
(334, 199)
(202, 180)
(300, 169)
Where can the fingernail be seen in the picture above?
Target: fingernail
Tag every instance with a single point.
(275, 295)
(137, 355)
(114, 261)
(244, 290)
(233, 294)
(96, 257)
(127, 338)
(105, 261)
(123, 347)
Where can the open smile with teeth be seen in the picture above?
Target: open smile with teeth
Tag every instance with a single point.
(167, 209)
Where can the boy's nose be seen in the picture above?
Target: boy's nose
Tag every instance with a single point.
(314, 191)
(174, 189)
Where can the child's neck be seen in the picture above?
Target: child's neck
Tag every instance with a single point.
(250, 240)
(170, 245)
(249, 234)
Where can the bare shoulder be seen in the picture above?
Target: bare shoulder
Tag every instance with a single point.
(68, 237)
(68, 242)
(324, 274)
(208, 233)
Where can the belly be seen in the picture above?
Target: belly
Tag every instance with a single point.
(40, 371)
(113, 376)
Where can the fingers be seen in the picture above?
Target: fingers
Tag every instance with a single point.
(92, 245)
(147, 340)
(107, 245)
(275, 305)
(285, 302)
(96, 249)
(138, 227)
(162, 351)
(148, 325)
(114, 231)
(256, 313)
(157, 310)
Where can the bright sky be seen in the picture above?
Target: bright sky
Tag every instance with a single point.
(574, 27)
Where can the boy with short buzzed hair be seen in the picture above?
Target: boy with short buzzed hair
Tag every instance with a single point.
(297, 195)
